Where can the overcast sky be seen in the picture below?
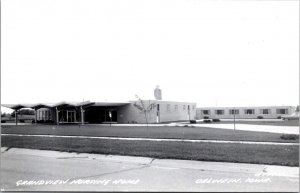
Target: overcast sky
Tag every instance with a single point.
(215, 53)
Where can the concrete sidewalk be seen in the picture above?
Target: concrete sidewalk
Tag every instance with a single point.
(140, 173)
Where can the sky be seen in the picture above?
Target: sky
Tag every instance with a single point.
(215, 53)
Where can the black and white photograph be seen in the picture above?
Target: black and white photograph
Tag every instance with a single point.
(150, 95)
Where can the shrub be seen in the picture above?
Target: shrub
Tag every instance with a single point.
(193, 121)
(216, 120)
(22, 121)
(260, 117)
(205, 117)
(289, 137)
(3, 121)
(279, 117)
(207, 121)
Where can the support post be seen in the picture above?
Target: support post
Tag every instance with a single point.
(35, 115)
(82, 115)
(57, 121)
(16, 116)
(234, 119)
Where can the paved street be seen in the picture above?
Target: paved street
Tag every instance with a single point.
(258, 128)
(30, 170)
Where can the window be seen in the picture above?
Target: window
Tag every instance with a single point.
(176, 107)
(219, 112)
(234, 111)
(249, 111)
(205, 112)
(168, 107)
(193, 107)
(265, 111)
(282, 111)
(183, 107)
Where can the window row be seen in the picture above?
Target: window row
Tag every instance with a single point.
(184, 107)
(246, 111)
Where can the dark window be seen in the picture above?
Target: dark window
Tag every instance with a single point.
(282, 111)
(206, 112)
(265, 111)
(249, 111)
(234, 111)
(219, 112)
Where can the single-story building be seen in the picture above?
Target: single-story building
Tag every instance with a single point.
(264, 112)
(157, 111)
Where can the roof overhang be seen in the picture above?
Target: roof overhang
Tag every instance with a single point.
(73, 104)
(16, 106)
(110, 104)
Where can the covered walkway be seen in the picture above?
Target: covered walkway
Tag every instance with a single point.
(72, 112)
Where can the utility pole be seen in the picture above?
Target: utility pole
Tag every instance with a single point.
(234, 119)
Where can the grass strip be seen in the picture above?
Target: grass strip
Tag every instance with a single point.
(239, 153)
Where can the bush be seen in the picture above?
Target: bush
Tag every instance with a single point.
(22, 121)
(49, 121)
(193, 121)
(3, 121)
(205, 117)
(260, 117)
(279, 117)
(207, 121)
(289, 137)
(216, 120)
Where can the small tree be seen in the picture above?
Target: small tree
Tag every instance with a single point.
(143, 108)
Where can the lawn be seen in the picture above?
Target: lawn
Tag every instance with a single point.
(242, 153)
(165, 132)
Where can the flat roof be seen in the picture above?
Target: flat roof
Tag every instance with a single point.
(112, 104)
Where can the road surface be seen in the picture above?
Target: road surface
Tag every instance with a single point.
(38, 170)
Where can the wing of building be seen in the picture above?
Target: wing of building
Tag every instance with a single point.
(140, 111)
(260, 112)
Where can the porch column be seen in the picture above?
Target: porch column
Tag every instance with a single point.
(57, 121)
(35, 116)
(75, 116)
(16, 116)
(82, 115)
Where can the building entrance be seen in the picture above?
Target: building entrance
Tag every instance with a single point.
(101, 115)
(67, 116)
